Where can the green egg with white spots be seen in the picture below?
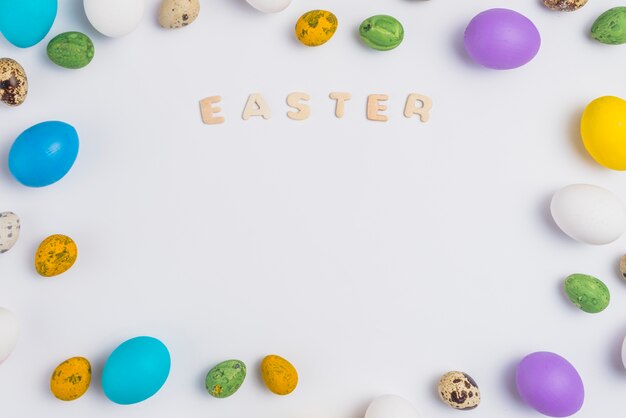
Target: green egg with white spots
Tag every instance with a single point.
(71, 50)
(587, 293)
(381, 32)
(226, 378)
(610, 27)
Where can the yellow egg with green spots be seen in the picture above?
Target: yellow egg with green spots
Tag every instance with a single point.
(71, 379)
(279, 375)
(55, 255)
(316, 27)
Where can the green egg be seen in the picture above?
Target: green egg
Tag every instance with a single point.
(588, 293)
(610, 27)
(381, 32)
(71, 50)
(226, 378)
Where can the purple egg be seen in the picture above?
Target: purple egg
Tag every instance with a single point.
(502, 39)
(550, 384)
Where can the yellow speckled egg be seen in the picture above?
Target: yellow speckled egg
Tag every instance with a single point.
(316, 27)
(71, 379)
(279, 375)
(55, 255)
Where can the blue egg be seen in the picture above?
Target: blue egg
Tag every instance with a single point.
(136, 370)
(26, 22)
(43, 153)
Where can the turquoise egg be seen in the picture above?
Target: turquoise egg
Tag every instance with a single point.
(26, 22)
(44, 153)
(136, 370)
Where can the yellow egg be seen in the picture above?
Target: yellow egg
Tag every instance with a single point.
(603, 129)
(71, 379)
(279, 375)
(55, 255)
(316, 27)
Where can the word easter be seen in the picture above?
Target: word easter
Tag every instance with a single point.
(416, 104)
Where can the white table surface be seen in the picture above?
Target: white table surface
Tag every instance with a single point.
(374, 256)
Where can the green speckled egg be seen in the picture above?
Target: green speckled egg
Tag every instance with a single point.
(71, 50)
(381, 32)
(610, 27)
(587, 293)
(225, 379)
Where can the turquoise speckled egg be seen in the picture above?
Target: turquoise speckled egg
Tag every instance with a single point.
(136, 370)
(25, 23)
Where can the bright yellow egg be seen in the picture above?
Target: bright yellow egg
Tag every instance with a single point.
(279, 375)
(603, 129)
(71, 379)
(316, 27)
(55, 255)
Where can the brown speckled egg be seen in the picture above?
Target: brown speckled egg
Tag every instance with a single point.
(622, 266)
(565, 5)
(13, 82)
(459, 390)
(178, 13)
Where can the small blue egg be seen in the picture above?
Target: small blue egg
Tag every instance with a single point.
(26, 22)
(43, 153)
(136, 370)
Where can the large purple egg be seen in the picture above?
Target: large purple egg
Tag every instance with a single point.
(502, 39)
(550, 384)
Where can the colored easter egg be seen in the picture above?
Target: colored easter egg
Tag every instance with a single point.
(55, 255)
(226, 378)
(381, 32)
(9, 230)
(136, 370)
(564, 5)
(279, 375)
(610, 27)
(178, 13)
(458, 390)
(25, 23)
(622, 266)
(13, 82)
(587, 293)
(269, 6)
(603, 130)
(391, 406)
(624, 352)
(589, 213)
(550, 384)
(43, 154)
(502, 39)
(114, 18)
(316, 27)
(9, 331)
(71, 50)
(70, 380)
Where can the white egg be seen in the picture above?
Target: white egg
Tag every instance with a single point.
(9, 331)
(270, 6)
(589, 213)
(9, 230)
(391, 406)
(114, 18)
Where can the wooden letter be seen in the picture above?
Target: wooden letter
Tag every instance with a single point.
(208, 111)
(303, 110)
(374, 106)
(410, 109)
(341, 99)
(256, 106)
